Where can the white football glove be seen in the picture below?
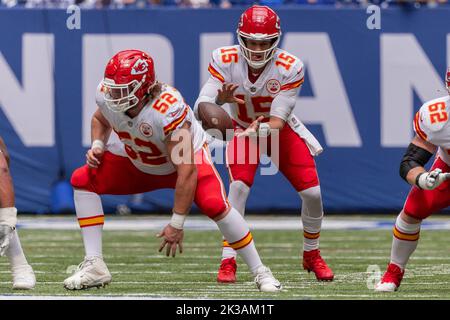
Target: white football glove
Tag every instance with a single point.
(431, 180)
(6, 233)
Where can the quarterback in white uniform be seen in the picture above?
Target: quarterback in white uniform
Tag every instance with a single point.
(260, 83)
(273, 93)
(430, 191)
(162, 146)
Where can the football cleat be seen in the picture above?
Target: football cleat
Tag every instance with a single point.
(92, 272)
(227, 271)
(265, 281)
(23, 277)
(391, 279)
(312, 261)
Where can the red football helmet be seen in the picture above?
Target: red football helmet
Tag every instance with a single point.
(447, 80)
(259, 23)
(129, 76)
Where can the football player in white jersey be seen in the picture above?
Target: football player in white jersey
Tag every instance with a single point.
(430, 190)
(22, 272)
(162, 146)
(260, 84)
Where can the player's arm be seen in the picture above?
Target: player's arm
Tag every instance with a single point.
(413, 162)
(218, 89)
(216, 92)
(281, 108)
(8, 212)
(282, 105)
(263, 129)
(100, 132)
(6, 184)
(181, 154)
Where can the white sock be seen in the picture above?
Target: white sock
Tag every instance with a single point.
(15, 253)
(227, 251)
(237, 196)
(235, 229)
(90, 216)
(311, 231)
(312, 216)
(405, 240)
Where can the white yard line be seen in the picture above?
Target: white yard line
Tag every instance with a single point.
(156, 223)
(205, 295)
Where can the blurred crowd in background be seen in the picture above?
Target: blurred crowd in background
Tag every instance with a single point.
(123, 4)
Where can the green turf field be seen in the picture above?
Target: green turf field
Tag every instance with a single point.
(139, 270)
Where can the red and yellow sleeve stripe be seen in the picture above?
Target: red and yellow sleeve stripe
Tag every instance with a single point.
(405, 236)
(216, 74)
(417, 128)
(91, 221)
(243, 242)
(175, 123)
(292, 85)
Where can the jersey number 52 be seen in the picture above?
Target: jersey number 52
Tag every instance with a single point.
(437, 112)
(153, 157)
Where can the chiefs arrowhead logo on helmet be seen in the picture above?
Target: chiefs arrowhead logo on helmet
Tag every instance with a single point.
(140, 67)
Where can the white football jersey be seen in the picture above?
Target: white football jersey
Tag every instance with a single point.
(143, 136)
(282, 76)
(432, 124)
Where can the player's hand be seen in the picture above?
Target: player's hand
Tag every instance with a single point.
(172, 238)
(431, 180)
(6, 233)
(94, 156)
(252, 129)
(226, 95)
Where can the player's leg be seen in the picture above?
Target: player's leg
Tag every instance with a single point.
(418, 206)
(242, 158)
(210, 197)
(116, 175)
(22, 272)
(298, 166)
(89, 210)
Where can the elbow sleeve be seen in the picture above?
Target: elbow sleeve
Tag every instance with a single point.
(414, 156)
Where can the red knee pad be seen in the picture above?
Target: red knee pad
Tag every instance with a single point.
(417, 215)
(212, 206)
(81, 179)
(416, 205)
(303, 179)
(242, 174)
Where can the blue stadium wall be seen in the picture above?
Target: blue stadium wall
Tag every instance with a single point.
(365, 77)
